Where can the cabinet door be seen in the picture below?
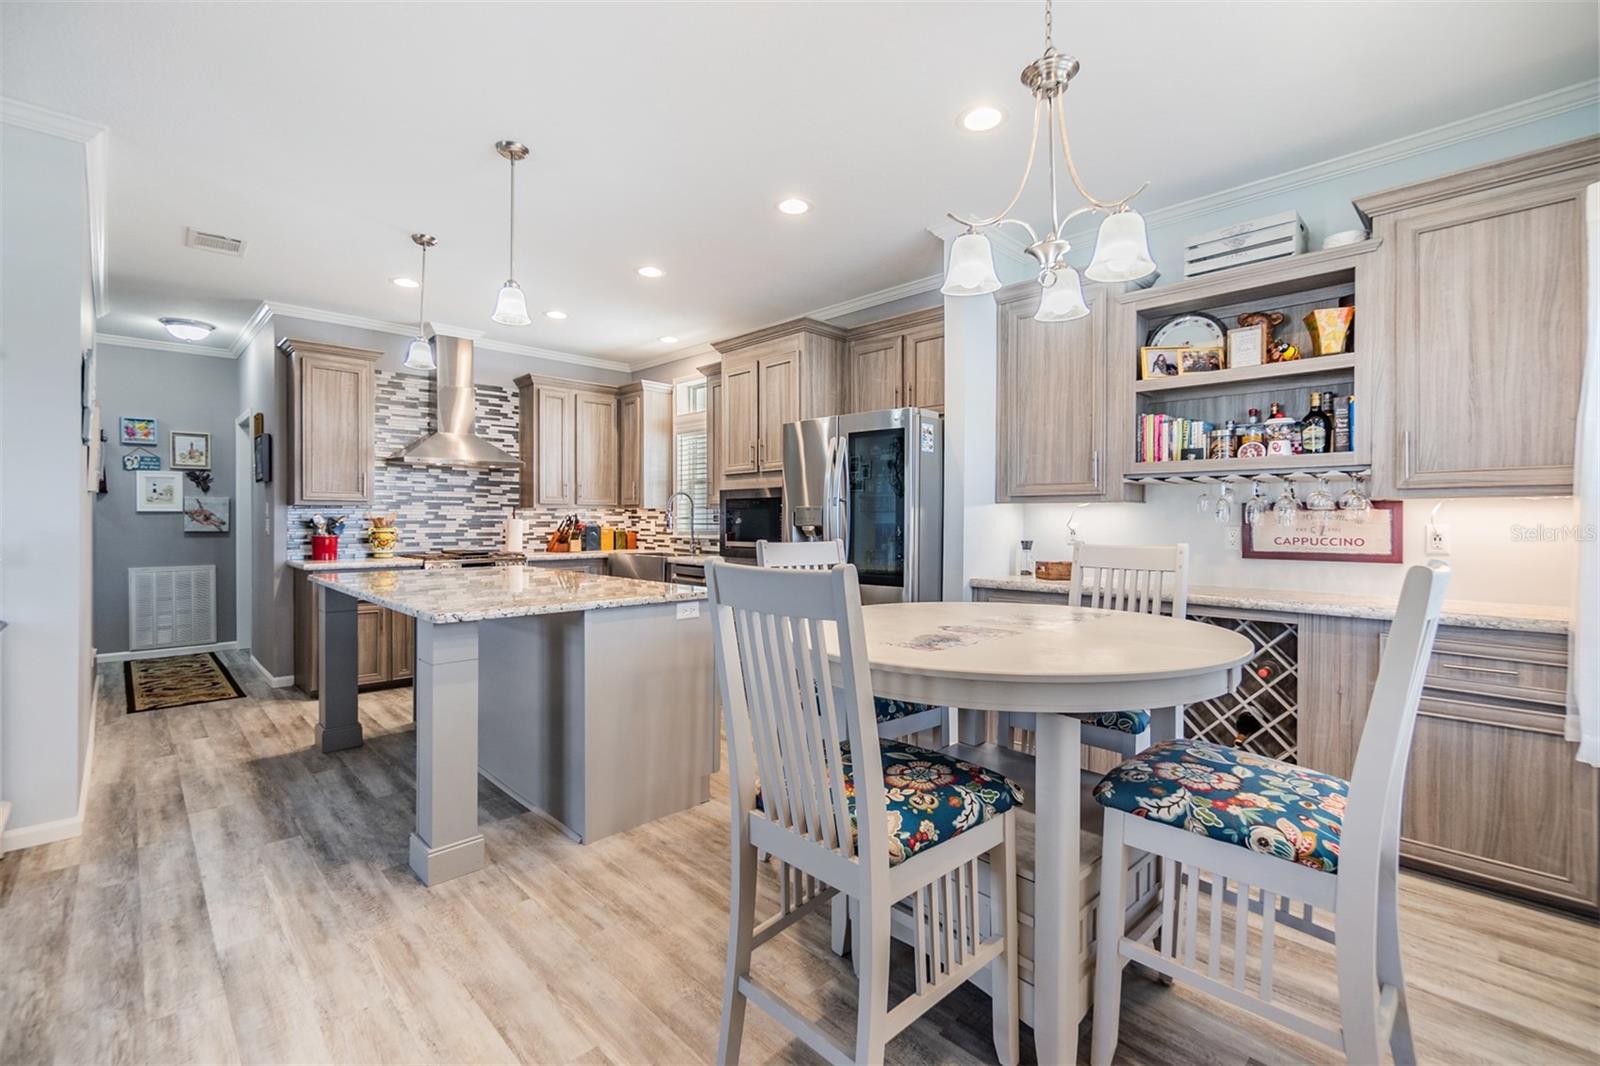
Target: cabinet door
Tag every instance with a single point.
(596, 448)
(875, 373)
(402, 645)
(924, 367)
(630, 445)
(778, 401)
(1488, 320)
(372, 644)
(739, 440)
(1050, 400)
(714, 434)
(334, 413)
(553, 463)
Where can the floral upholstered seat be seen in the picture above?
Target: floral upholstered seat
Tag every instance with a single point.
(888, 710)
(1132, 722)
(1275, 808)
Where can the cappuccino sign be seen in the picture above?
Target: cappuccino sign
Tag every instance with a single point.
(1322, 537)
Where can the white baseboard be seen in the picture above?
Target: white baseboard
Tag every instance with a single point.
(273, 680)
(31, 836)
(164, 653)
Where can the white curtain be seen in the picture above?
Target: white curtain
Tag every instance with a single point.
(1583, 671)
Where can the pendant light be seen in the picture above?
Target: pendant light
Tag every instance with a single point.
(419, 354)
(511, 308)
(1122, 251)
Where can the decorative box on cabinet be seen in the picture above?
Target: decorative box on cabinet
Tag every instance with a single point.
(331, 412)
(1478, 326)
(386, 641)
(898, 362)
(770, 377)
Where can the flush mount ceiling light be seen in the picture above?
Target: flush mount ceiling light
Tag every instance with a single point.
(650, 272)
(511, 307)
(794, 206)
(404, 283)
(557, 315)
(419, 353)
(187, 329)
(1121, 253)
(668, 340)
(982, 119)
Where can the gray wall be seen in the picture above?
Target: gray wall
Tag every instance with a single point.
(197, 393)
(262, 384)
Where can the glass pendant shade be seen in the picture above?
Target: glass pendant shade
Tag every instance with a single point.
(1063, 301)
(971, 271)
(419, 356)
(1122, 251)
(511, 308)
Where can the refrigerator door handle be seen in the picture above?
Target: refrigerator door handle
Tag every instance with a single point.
(838, 502)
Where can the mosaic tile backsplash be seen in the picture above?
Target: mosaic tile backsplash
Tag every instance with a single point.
(437, 507)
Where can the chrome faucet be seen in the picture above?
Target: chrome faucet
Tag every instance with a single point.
(694, 544)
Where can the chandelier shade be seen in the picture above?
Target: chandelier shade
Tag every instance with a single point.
(1063, 299)
(1122, 251)
(971, 270)
(511, 307)
(419, 353)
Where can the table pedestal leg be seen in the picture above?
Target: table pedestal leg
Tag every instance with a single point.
(338, 724)
(1166, 723)
(1057, 1005)
(447, 842)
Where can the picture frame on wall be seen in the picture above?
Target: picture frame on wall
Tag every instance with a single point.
(1379, 538)
(263, 458)
(133, 430)
(191, 451)
(159, 492)
(205, 514)
(141, 461)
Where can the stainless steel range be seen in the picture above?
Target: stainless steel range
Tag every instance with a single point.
(461, 558)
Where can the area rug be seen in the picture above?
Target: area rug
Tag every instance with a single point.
(177, 681)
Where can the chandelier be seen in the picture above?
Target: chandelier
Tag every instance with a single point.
(1121, 252)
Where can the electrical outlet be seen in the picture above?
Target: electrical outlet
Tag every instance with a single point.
(1436, 539)
(1233, 537)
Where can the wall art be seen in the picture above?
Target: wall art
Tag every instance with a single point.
(159, 492)
(141, 461)
(133, 430)
(205, 514)
(191, 451)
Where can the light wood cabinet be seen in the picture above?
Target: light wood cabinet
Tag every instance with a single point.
(595, 451)
(1051, 400)
(777, 402)
(386, 646)
(372, 644)
(1478, 323)
(739, 419)
(547, 445)
(331, 412)
(402, 646)
(898, 362)
(714, 436)
(782, 374)
(644, 440)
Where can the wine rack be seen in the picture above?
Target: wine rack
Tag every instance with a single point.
(1262, 714)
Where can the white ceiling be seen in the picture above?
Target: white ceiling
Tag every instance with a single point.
(664, 133)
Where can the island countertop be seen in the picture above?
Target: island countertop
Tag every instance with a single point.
(480, 594)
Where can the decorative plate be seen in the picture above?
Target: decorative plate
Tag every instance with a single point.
(1194, 330)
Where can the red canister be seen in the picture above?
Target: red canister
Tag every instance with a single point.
(324, 547)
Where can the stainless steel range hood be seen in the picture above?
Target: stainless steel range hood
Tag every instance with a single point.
(453, 443)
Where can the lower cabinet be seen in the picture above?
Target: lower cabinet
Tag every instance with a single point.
(386, 641)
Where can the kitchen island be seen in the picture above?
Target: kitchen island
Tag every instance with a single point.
(584, 696)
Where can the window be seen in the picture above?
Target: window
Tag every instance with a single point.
(691, 461)
(689, 396)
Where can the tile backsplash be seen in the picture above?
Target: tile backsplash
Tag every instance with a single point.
(439, 507)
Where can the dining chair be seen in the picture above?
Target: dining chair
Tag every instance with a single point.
(1118, 577)
(1225, 822)
(843, 811)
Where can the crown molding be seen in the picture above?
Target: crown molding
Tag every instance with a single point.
(247, 333)
(378, 325)
(873, 299)
(20, 113)
(164, 346)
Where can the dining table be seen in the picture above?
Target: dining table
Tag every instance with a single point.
(1057, 663)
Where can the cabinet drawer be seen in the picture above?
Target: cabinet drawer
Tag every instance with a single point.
(1519, 666)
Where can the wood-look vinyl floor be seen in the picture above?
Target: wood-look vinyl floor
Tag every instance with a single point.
(238, 897)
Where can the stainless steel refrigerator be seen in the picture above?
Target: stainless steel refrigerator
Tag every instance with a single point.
(874, 480)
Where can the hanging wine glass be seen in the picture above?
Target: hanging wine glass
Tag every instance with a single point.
(1285, 507)
(1203, 504)
(1353, 504)
(1321, 503)
(1224, 512)
(1255, 508)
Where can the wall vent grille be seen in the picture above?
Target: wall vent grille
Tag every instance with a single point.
(213, 242)
(171, 606)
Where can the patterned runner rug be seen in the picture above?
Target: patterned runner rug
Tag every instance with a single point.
(177, 681)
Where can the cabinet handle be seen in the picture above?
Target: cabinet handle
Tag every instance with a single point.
(752, 452)
(911, 395)
(1094, 466)
(1405, 455)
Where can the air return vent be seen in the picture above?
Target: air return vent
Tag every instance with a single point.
(170, 606)
(213, 242)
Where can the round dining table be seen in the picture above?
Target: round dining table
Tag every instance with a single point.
(1053, 662)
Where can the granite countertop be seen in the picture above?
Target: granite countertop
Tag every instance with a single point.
(369, 563)
(473, 595)
(1523, 617)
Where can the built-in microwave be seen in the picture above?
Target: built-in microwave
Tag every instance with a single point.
(749, 515)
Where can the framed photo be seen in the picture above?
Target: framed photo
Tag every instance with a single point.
(1158, 363)
(1247, 345)
(1314, 537)
(159, 491)
(263, 457)
(1200, 360)
(131, 430)
(205, 514)
(191, 451)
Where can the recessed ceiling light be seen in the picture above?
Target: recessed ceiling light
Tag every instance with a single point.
(651, 272)
(982, 118)
(187, 329)
(668, 340)
(557, 315)
(794, 206)
(405, 283)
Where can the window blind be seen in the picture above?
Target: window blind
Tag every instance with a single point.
(692, 470)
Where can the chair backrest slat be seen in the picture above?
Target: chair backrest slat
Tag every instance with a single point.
(799, 554)
(1131, 577)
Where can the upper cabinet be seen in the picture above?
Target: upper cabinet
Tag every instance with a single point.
(713, 375)
(594, 460)
(898, 362)
(331, 411)
(1478, 321)
(589, 445)
(776, 375)
(644, 441)
(1051, 399)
